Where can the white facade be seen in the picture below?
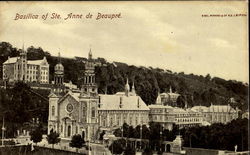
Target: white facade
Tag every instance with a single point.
(217, 113)
(168, 116)
(21, 69)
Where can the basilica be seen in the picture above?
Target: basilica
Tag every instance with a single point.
(88, 113)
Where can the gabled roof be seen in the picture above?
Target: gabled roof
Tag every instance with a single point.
(11, 60)
(113, 102)
(33, 62)
(52, 95)
(155, 106)
(75, 96)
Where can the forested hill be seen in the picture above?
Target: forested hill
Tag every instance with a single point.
(111, 78)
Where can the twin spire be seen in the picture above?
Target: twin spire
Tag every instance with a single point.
(127, 88)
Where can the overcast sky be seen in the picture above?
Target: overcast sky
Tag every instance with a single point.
(169, 35)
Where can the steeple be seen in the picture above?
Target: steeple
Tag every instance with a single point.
(90, 54)
(170, 89)
(133, 88)
(89, 87)
(59, 71)
(59, 58)
(127, 88)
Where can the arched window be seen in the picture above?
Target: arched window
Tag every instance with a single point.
(69, 131)
(53, 110)
(93, 112)
(111, 121)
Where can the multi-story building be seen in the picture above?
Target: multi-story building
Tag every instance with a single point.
(122, 107)
(86, 112)
(162, 114)
(21, 69)
(217, 113)
(169, 98)
(169, 116)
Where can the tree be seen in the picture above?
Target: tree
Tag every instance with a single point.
(117, 147)
(53, 138)
(129, 151)
(77, 141)
(101, 135)
(36, 135)
(180, 102)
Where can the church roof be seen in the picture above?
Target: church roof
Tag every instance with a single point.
(75, 96)
(113, 102)
(124, 94)
(159, 106)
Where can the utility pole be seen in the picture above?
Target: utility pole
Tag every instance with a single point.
(3, 129)
(122, 131)
(140, 136)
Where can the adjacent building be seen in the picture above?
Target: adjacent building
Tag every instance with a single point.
(217, 113)
(21, 69)
(169, 98)
(169, 116)
(122, 107)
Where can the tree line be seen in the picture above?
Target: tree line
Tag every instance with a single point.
(111, 78)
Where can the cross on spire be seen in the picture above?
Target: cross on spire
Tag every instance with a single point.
(90, 53)
(59, 56)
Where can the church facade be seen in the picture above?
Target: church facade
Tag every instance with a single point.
(87, 113)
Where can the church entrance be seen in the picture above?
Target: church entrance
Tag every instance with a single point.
(168, 148)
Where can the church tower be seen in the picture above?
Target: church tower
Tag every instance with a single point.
(89, 100)
(59, 72)
(22, 66)
(89, 86)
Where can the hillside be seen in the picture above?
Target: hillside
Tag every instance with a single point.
(111, 77)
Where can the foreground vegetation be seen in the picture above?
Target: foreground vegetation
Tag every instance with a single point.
(217, 136)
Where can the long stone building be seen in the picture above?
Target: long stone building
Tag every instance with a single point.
(217, 113)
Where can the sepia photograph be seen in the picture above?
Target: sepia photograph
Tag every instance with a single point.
(124, 78)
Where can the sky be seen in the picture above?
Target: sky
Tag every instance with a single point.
(170, 35)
